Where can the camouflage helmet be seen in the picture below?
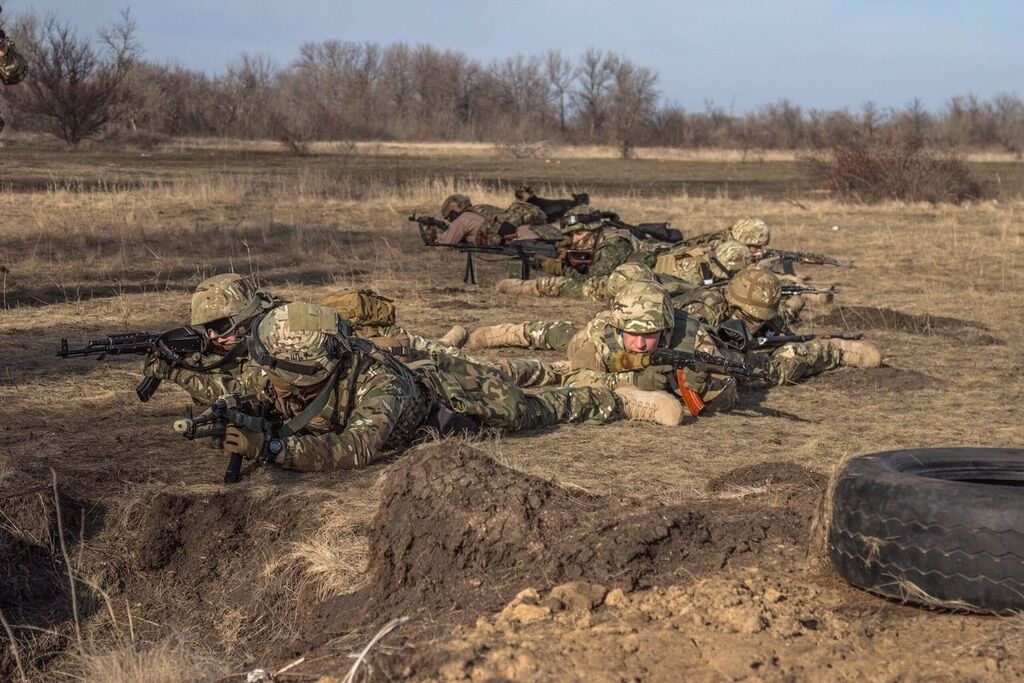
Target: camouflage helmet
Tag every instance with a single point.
(753, 232)
(733, 255)
(643, 308)
(292, 343)
(627, 273)
(524, 192)
(228, 295)
(756, 292)
(454, 205)
(571, 223)
(527, 214)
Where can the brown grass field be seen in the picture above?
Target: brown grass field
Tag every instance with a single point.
(702, 532)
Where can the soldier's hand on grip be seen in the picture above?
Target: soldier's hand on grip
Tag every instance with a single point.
(654, 378)
(243, 442)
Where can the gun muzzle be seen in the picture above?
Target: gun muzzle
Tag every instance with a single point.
(183, 426)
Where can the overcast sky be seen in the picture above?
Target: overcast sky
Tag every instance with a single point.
(741, 54)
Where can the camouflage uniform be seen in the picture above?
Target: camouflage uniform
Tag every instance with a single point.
(752, 232)
(755, 295)
(705, 265)
(377, 405)
(485, 224)
(372, 317)
(643, 307)
(556, 335)
(13, 67)
(218, 298)
(609, 248)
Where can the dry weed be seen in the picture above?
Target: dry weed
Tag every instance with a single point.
(168, 661)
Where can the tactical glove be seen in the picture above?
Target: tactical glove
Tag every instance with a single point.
(243, 442)
(653, 378)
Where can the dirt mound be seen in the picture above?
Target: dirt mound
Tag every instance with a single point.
(861, 318)
(877, 380)
(458, 531)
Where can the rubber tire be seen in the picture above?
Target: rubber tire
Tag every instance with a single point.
(902, 526)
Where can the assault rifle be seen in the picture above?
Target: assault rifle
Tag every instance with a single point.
(697, 361)
(240, 411)
(658, 231)
(526, 251)
(172, 345)
(793, 290)
(788, 258)
(776, 340)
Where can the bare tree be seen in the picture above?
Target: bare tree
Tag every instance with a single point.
(633, 100)
(75, 89)
(594, 77)
(560, 76)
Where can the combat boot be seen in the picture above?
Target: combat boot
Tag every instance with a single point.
(659, 407)
(857, 354)
(497, 336)
(517, 286)
(455, 337)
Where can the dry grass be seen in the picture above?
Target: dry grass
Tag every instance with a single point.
(87, 263)
(168, 661)
(434, 150)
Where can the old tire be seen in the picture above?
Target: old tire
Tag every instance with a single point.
(941, 527)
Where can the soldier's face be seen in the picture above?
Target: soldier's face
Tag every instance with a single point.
(227, 342)
(640, 343)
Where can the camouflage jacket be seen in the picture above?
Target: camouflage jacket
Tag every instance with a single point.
(592, 352)
(692, 265)
(203, 387)
(610, 247)
(710, 307)
(376, 406)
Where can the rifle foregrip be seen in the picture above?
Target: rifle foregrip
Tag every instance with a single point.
(147, 387)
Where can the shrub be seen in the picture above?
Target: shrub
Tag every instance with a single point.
(871, 169)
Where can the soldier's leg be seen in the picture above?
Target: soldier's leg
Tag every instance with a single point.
(538, 335)
(529, 372)
(560, 405)
(546, 335)
(793, 362)
(523, 287)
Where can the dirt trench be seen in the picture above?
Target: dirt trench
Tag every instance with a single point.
(456, 536)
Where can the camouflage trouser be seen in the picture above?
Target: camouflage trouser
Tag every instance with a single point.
(546, 335)
(593, 288)
(793, 362)
(527, 372)
(523, 372)
(485, 394)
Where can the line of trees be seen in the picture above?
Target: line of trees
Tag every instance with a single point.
(81, 87)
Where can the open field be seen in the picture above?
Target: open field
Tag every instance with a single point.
(703, 528)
